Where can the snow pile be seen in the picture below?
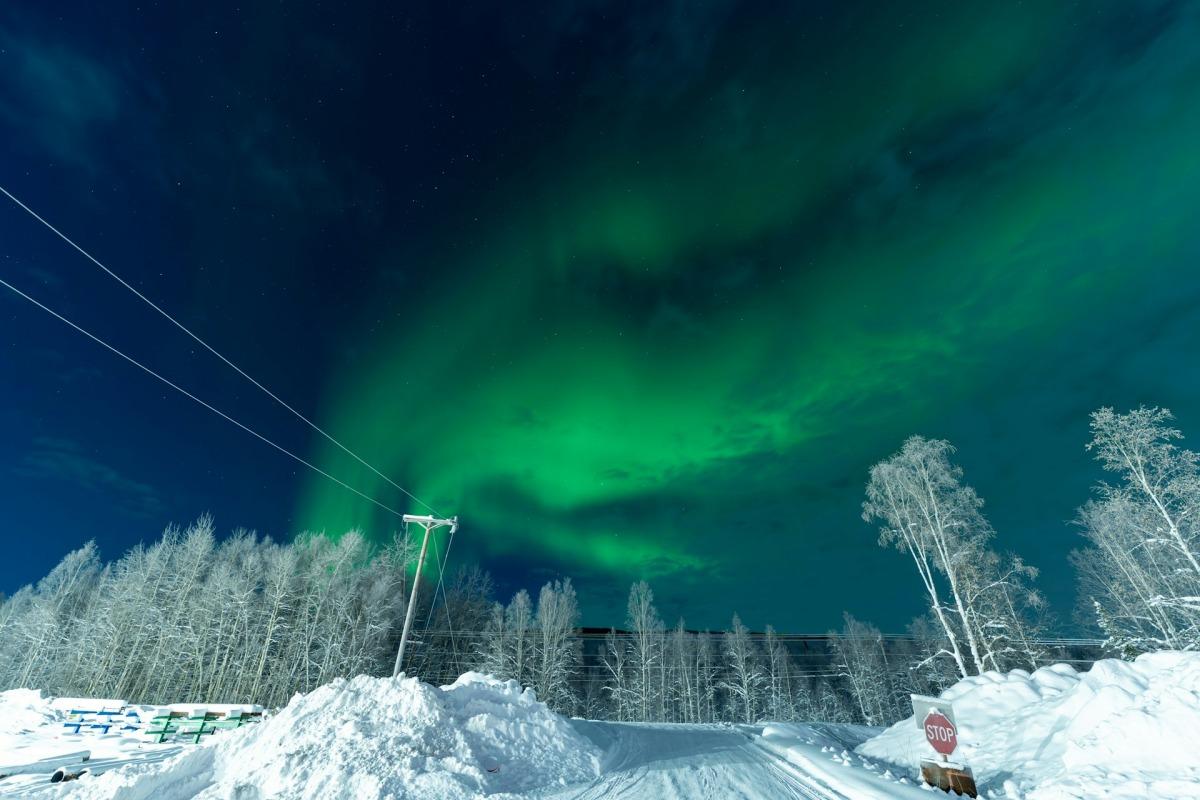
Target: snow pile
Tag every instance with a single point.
(23, 711)
(375, 738)
(1122, 729)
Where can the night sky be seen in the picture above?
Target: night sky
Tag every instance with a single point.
(640, 290)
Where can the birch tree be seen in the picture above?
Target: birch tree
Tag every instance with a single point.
(557, 655)
(461, 620)
(746, 678)
(518, 621)
(645, 652)
(925, 510)
(42, 634)
(492, 648)
(615, 658)
(781, 690)
(1142, 571)
(861, 659)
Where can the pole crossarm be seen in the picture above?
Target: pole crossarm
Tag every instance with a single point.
(429, 522)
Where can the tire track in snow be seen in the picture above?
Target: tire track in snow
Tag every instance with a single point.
(664, 762)
(809, 786)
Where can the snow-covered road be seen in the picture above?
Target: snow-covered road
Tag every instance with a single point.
(665, 762)
(692, 762)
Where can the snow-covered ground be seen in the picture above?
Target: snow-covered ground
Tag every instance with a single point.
(1122, 730)
(681, 762)
(360, 738)
(33, 744)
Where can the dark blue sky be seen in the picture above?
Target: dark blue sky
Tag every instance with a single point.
(678, 273)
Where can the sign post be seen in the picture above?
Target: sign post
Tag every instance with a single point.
(935, 718)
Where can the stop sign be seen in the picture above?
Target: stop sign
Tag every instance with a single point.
(940, 732)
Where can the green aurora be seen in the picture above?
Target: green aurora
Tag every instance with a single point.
(670, 339)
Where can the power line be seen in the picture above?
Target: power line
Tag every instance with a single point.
(186, 393)
(212, 350)
(441, 586)
(592, 635)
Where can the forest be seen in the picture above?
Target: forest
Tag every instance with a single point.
(243, 618)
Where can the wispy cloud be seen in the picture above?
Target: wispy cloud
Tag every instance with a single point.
(64, 460)
(56, 95)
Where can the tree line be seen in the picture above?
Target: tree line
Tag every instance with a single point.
(246, 619)
(189, 618)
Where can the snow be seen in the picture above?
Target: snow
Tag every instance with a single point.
(374, 738)
(34, 742)
(23, 715)
(1121, 729)
(69, 704)
(824, 758)
(656, 761)
(23, 711)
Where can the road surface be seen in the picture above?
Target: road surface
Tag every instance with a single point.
(693, 762)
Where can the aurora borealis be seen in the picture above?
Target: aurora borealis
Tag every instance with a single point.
(642, 290)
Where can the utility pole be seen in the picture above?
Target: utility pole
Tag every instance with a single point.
(428, 524)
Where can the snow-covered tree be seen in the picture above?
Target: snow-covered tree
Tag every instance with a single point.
(490, 656)
(861, 659)
(925, 510)
(829, 704)
(518, 622)
(40, 638)
(929, 669)
(646, 636)
(708, 672)
(467, 609)
(557, 652)
(615, 658)
(186, 618)
(781, 690)
(1142, 571)
(1006, 611)
(537, 647)
(746, 677)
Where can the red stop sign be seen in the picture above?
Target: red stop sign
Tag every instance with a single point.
(940, 733)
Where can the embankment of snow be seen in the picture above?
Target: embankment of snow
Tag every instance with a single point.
(23, 711)
(375, 738)
(24, 714)
(1121, 729)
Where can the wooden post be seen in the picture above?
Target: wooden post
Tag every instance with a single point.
(949, 778)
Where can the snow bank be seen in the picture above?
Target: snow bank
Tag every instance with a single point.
(24, 714)
(23, 711)
(1122, 729)
(375, 738)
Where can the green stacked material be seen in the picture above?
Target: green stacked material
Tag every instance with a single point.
(161, 728)
(195, 730)
(175, 727)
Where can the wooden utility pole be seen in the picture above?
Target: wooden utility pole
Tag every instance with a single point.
(428, 524)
